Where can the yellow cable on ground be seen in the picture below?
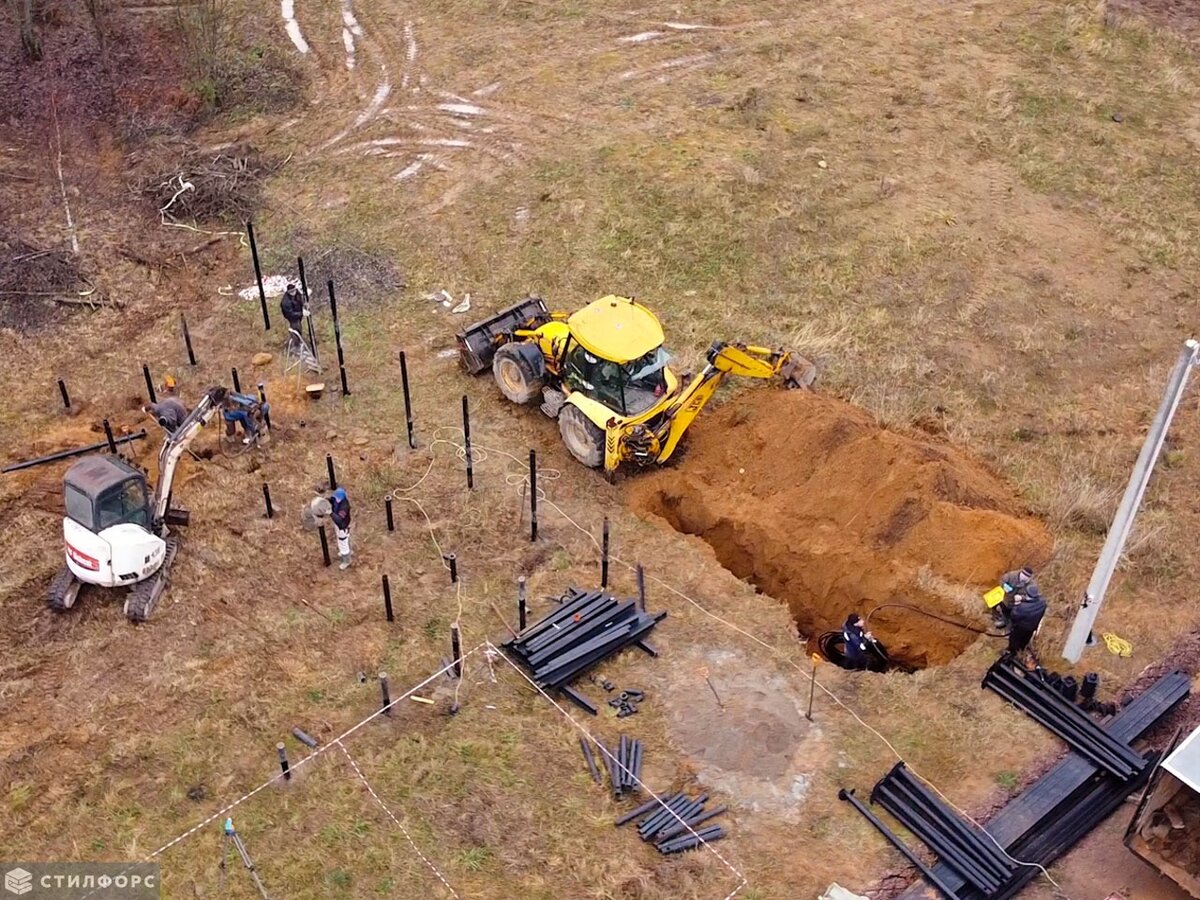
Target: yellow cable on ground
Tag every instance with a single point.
(1117, 645)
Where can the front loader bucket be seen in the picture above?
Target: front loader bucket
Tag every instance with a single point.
(477, 344)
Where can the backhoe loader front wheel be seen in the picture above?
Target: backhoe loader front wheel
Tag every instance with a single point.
(519, 372)
(583, 437)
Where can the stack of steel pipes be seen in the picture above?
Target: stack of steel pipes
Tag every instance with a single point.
(974, 855)
(676, 823)
(1051, 710)
(586, 628)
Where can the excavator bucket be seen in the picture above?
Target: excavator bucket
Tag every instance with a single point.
(797, 372)
(477, 344)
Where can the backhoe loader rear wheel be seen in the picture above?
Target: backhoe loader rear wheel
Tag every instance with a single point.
(516, 376)
(582, 436)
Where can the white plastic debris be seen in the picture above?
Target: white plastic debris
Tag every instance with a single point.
(464, 305)
(273, 286)
(836, 892)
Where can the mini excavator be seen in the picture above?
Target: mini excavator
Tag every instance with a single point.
(603, 373)
(116, 532)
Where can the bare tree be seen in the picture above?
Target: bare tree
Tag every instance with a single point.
(204, 28)
(98, 10)
(31, 38)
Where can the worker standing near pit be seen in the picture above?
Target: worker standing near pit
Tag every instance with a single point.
(295, 310)
(340, 516)
(1028, 610)
(292, 307)
(1014, 584)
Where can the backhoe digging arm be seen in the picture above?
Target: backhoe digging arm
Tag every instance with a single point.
(743, 360)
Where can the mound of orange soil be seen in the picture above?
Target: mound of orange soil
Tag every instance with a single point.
(814, 503)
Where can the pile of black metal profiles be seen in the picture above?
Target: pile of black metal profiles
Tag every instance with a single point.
(676, 823)
(623, 763)
(1055, 812)
(586, 628)
(973, 855)
(1050, 709)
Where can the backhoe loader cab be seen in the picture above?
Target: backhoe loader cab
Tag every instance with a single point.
(603, 373)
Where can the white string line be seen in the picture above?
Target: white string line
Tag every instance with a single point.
(478, 454)
(401, 494)
(62, 185)
(616, 763)
(307, 759)
(509, 480)
(391, 815)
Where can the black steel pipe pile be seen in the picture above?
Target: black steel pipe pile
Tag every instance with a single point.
(625, 772)
(676, 823)
(973, 855)
(1064, 805)
(585, 629)
(1048, 708)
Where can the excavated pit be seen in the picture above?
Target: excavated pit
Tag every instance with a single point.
(808, 499)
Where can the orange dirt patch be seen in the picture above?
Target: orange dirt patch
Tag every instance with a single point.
(813, 502)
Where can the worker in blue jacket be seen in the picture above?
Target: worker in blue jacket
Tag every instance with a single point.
(340, 516)
(247, 411)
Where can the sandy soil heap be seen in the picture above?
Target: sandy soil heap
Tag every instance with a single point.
(809, 499)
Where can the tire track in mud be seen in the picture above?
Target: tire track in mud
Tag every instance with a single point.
(416, 128)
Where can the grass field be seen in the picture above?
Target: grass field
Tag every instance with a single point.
(979, 219)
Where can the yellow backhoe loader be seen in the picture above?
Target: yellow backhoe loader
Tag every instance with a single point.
(603, 373)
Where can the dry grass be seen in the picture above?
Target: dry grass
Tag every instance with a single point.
(983, 238)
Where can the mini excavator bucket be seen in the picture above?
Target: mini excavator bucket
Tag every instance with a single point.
(477, 344)
(797, 372)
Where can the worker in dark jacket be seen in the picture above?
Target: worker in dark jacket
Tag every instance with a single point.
(169, 412)
(1014, 583)
(340, 516)
(858, 641)
(1028, 609)
(292, 306)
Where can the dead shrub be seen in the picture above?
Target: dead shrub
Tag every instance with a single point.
(226, 76)
(362, 277)
(32, 282)
(222, 185)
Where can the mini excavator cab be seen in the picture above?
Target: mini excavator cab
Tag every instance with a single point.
(102, 491)
(109, 533)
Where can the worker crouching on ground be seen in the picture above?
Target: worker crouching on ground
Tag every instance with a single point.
(858, 641)
(248, 412)
(340, 516)
(1015, 584)
(1028, 609)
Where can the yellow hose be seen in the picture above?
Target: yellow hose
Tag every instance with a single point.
(1117, 645)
